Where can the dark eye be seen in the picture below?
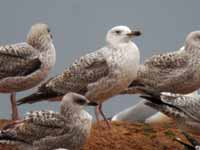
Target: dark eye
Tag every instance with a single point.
(48, 30)
(80, 101)
(118, 31)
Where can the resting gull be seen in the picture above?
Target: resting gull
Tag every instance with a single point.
(98, 75)
(176, 72)
(47, 130)
(183, 109)
(25, 65)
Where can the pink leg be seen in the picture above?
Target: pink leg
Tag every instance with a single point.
(99, 111)
(15, 115)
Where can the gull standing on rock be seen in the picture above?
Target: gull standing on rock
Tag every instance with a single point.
(98, 75)
(183, 109)
(177, 72)
(48, 130)
(25, 65)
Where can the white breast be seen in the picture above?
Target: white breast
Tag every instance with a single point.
(127, 60)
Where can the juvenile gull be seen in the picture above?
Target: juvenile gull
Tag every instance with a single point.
(98, 75)
(47, 130)
(25, 65)
(176, 72)
(183, 109)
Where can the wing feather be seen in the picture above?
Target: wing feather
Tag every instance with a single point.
(18, 60)
(84, 71)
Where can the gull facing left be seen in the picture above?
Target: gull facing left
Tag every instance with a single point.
(98, 75)
(25, 65)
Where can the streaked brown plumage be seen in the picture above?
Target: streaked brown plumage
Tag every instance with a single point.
(98, 75)
(177, 71)
(25, 65)
(47, 130)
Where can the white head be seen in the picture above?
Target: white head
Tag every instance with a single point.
(121, 34)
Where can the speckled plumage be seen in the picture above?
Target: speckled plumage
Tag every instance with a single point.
(47, 130)
(177, 71)
(183, 109)
(98, 75)
(24, 65)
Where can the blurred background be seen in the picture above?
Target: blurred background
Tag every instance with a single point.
(79, 27)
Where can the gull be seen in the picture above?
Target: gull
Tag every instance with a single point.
(136, 113)
(160, 117)
(142, 113)
(176, 72)
(25, 65)
(195, 145)
(47, 130)
(181, 108)
(98, 75)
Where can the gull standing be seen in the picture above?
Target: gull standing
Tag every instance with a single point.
(98, 75)
(47, 130)
(183, 109)
(177, 72)
(25, 65)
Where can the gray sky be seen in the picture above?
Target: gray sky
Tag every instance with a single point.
(79, 27)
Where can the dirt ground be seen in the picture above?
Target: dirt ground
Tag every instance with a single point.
(126, 136)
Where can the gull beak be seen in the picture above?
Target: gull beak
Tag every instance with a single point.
(134, 33)
(89, 103)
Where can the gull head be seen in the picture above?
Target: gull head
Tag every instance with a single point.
(75, 101)
(193, 40)
(121, 34)
(39, 35)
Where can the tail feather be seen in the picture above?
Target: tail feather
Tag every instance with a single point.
(9, 138)
(6, 136)
(151, 95)
(152, 99)
(37, 97)
(192, 140)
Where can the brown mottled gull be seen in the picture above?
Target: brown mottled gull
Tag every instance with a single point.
(47, 130)
(25, 65)
(98, 75)
(177, 72)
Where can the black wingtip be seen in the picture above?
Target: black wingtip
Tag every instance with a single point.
(6, 136)
(187, 146)
(38, 96)
(33, 98)
(152, 96)
(192, 140)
